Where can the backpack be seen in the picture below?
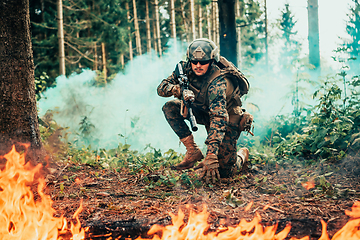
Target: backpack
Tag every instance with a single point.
(238, 78)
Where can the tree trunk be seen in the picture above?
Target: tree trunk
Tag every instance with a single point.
(208, 19)
(213, 21)
(172, 23)
(217, 24)
(104, 60)
(238, 36)
(61, 39)
(227, 29)
(148, 30)
(186, 28)
(137, 31)
(122, 61)
(95, 57)
(200, 21)
(313, 21)
(19, 119)
(155, 38)
(131, 54)
(158, 26)
(192, 17)
(266, 38)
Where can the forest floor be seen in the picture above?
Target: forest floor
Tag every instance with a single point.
(119, 203)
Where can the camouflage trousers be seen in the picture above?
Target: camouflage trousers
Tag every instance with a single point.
(227, 149)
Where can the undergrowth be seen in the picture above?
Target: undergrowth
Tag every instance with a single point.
(320, 136)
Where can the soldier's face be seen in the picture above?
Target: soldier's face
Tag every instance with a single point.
(199, 69)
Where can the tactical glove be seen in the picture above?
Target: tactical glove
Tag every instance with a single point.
(188, 95)
(209, 167)
(176, 91)
(246, 122)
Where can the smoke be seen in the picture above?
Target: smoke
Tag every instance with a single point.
(127, 110)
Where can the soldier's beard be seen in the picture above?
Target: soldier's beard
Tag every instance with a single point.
(200, 71)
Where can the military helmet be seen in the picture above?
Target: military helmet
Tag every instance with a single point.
(202, 49)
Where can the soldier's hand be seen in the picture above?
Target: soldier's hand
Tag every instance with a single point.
(209, 167)
(188, 95)
(246, 122)
(176, 91)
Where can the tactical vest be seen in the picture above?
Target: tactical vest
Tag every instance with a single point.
(233, 75)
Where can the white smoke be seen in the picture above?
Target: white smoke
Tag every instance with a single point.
(127, 110)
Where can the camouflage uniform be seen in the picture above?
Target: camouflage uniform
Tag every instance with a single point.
(213, 113)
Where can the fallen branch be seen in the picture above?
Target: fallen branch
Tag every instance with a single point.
(274, 208)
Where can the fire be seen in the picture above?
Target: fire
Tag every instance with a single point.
(197, 228)
(21, 217)
(308, 185)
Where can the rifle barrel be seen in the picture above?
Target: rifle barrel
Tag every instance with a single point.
(192, 120)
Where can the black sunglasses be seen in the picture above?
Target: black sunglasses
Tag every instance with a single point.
(195, 62)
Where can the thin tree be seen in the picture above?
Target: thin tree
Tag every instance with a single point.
(95, 56)
(208, 20)
(62, 70)
(19, 119)
(266, 37)
(156, 3)
(217, 24)
(104, 60)
(137, 30)
(213, 20)
(192, 18)
(155, 39)
(313, 24)
(131, 54)
(238, 34)
(200, 21)
(186, 27)
(148, 30)
(172, 23)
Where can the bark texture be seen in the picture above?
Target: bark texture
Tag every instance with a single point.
(18, 120)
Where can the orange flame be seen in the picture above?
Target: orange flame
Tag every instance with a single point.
(308, 185)
(248, 207)
(198, 228)
(21, 217)
(77, 180)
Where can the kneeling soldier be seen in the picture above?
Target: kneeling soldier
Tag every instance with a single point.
(214, 89)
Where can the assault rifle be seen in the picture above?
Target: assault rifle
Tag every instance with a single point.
(187, 97)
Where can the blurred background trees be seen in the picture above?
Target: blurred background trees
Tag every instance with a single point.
(105, 35)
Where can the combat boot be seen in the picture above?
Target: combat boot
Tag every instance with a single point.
(242, 157)
(192, 155)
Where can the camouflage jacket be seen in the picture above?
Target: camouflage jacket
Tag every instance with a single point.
(215, 103)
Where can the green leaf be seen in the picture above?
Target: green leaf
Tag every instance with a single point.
(328, 174)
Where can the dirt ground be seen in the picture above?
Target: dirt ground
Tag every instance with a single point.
(120, 203)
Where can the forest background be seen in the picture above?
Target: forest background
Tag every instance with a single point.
(97, 67)
(96, 85)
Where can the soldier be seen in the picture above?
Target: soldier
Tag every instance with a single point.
(216, 86)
